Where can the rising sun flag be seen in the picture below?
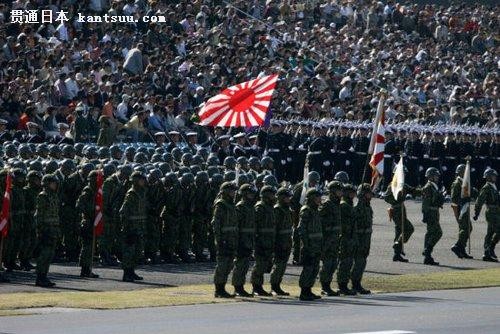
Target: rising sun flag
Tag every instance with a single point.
(245, 104)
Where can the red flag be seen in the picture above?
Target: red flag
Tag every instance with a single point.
(245, 104)
(377, 159)
(98, 221)
(5, 214)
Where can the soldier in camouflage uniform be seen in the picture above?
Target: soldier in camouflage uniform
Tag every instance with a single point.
(47, 227)
(155, 195)
(186, 223)
(201, 215)
(265, 230)
(245, 212)
(489, 195)
(85, 205)
(225, 224)
(397, 213)
(283, 241)
(464, 223)
(32, 190)
(18, 221)
(133, 214)
(215, 183)
(347, 239)
(432, 201)
(170, 216)
(311, 237)
(3, 175)
(331, 227)
(363, 216)
(113, 193)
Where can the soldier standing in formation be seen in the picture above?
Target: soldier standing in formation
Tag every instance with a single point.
(432, 201)
(347, 239)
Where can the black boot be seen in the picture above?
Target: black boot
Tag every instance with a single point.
(220, 291)
(492, 252)
(398, 257)
(241, 292)
(86, 272)
(315, 296)
(43, 282)
(127, 276)
(359, 289)
(27, 266)
(344, 290)
(466, 256)
(430, 261)
(488, 257)
(258, 290)
(458, 251)
(305, 295)
(326, 290)
(135, 276)
(276, 290)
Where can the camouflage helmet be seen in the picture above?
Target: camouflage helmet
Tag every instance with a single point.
(137, 175)
(168, 157)
(130, 152)
(54, 150)
(254, 162)
(334, 185)
(142, 149)
(86, 168)
(18, 173)
(24, 151)
(201, 177)
(164, 167)
(103, 153)
(270, 180)
(314, 177)
(115, 151)
(211, 170)
(250, 177)
(213, 160)
(48, 179)
(154, 175)
(216, 180)
(156, 158)
(266, 162)
(10, 150)
(460, 169)
(34, 174)
(68, 151)
(176, 154)
(363, 189)
(79, 149)
(203, 152)
(342, 177)
(242, 161)
(432, 172)
(198, 159)
(140, 158)
(160, 150)
(171, 179)
(247, 188)
(43, 150)
(68, 165)
(50, 166)
(229, 176)
(284, 192)
(91, 152)
(230, 162)
(187, 159)
(242, 179)
(267, 190)
(187, 179)
(36, 165)
(108, 169)
(125, 171)
(228, 186)
(311, 193)
(489, 173)
(195, 169)
(183, 170)
(349, 187)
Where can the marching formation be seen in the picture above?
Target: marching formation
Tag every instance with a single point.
(161, 206)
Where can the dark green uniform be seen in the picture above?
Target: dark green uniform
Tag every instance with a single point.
(347, 241)
(432, 201)
(201, 217)
(170, 216)
(153, 226)
(311, 236)
(245, 212)
(331, 227)
(265, 231)
(296, 206)
(47, 227)
(225, 224)
(464, 223)
(490, 197)
(283, 241)
(363, 216)
(186, 221)
(29, 241)
(133, 216)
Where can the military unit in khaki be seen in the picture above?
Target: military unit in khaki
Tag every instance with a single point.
(173, 206)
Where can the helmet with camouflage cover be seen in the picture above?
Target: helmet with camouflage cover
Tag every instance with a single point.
(10, 151)
(50, 166)
(342, 177)
(203, 152)
(140, 158)
(24, 152)
(229, 176)
(267, 190)
(108, 170)
(242, 179)
(314, 178)
(42, 150)
(334, 185)
(363, 189)
(91, 153)
(67, 166)
(156, 158)
(86, 168)
(160, 150)
(460, 170)
(171, 179)
(48, 179)
(18, 174)
(284, 192)
(247, 188)
(267, 162)
(489, 174)
(211, 170)
(79, 149)
(242, 161)
(230, 162)
(254, 163)
(154, 175)
(270, 180)
(137, 175)
(228, 187)
(183, 170)
(103, 153)
(195, 169)
(68, 152)
(187, 179)
(116, 152)
(168, 158)
(197, 160)
(150, 151)
(250, 177)
(213, 160)
(36, 165)
(125, 171)
(201, 178)
(312, 193)
(216, 180)
(187, 159)
(176, 154)
(142, 149)
(164, 167)
(432, 172)
(140, 168)
(130, 153)
(349, 187)
(34, 175)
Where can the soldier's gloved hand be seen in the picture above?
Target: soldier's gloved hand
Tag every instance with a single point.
(476, 216)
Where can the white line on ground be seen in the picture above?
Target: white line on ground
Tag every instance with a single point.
(385, 332)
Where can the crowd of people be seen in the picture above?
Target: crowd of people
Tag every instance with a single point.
(78, 99)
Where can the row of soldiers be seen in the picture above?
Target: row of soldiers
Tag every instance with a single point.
(161, 210)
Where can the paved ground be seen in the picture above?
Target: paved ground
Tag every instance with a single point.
(379, 263)
(450, 311)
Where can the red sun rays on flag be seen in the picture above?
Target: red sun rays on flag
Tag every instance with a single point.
(245, 104)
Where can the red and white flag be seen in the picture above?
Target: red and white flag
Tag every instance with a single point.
(98, 221)
(245, 104)
(5, 213)
(377, 159)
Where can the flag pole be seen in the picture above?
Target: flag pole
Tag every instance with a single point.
(403, 208)
(376, 121)
(468, 159)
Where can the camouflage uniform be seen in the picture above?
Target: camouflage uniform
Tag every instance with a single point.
(245, 212)
(47, 227)
(133, 214)
(186, 223)
(153, 227)
(331, 227)
(432, 201)
(311, 236)
(170, 216)
(225, 226)
(283, 241)
(265, 231)
(29, 237)
(489, 195)
(464, 223)
(201, 215)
